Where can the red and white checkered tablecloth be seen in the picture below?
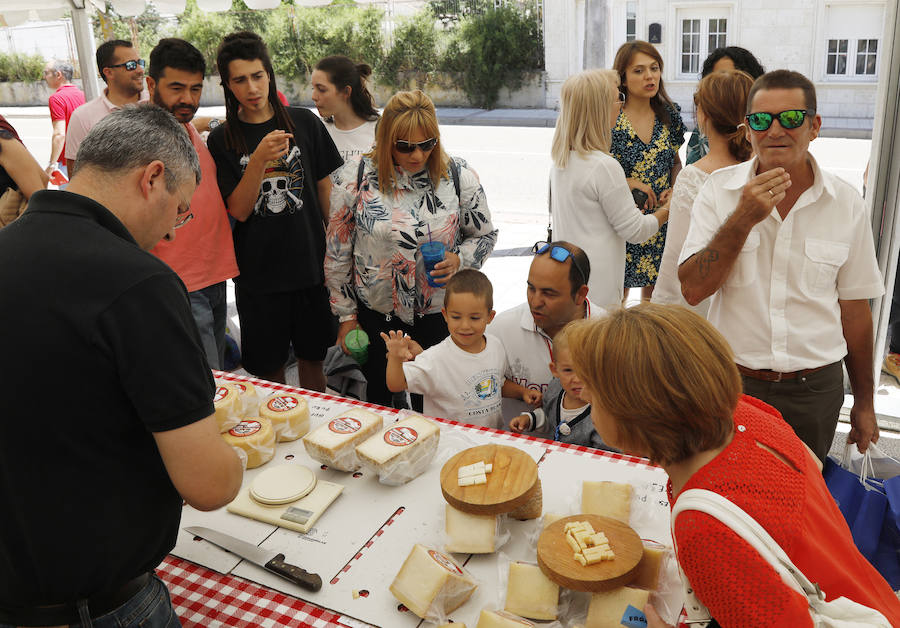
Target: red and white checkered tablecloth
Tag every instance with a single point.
(206, 598)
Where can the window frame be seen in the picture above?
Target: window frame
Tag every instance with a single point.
(683, 12)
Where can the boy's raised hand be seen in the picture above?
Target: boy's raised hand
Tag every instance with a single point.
(520, 423)
(532, 397)
(398, 345)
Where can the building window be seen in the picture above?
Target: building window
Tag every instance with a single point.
(717, 30)
(690, 46)
(850, 42)
(837, 57)
(630, 21)
(866, 54)
(702, 31)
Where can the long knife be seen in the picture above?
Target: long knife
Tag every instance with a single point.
(266, 559)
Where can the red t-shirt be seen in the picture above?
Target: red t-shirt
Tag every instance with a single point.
(65, 100)
(793, 504)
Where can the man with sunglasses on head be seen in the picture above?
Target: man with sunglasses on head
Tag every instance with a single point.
(556, 295)
(786, 251)
(122, 69)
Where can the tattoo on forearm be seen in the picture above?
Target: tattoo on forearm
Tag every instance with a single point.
(706, 257)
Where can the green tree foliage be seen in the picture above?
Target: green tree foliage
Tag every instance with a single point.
(414, 53)
(21, 67)
(338, 29)
(149, 28)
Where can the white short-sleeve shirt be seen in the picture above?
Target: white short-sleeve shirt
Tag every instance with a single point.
(779, 308)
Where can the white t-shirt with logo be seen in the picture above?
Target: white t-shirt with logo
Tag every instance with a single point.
(459, 385)
(355, 141)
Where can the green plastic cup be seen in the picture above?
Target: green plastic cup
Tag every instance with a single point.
(357, 342)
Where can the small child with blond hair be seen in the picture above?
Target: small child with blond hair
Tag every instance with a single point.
(462, 377)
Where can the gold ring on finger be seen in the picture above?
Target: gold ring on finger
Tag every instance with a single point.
(771, 193)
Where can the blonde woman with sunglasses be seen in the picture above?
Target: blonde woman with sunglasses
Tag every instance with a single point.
(591, 203)
(404, 193)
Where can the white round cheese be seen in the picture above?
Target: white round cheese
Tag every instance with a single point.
(289, 414)
(283, 484)
(228, 405)
(256, 437)
(249, 397)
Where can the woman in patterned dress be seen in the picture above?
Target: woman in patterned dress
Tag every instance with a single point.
(646, 139)
(384, 206)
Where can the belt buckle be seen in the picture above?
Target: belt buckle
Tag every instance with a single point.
(777, 380)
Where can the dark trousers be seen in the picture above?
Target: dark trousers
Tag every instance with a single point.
(428, 331)
(810, 404)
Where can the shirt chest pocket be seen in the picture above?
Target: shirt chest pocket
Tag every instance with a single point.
(744, 272)
(822, 260)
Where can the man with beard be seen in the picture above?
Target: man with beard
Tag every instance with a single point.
(203, 253)
(122, 69)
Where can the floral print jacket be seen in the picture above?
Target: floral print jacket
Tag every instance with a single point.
(372, 242)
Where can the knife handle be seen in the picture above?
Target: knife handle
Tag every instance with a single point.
(295, 574)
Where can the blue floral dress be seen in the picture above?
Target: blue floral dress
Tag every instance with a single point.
(652, 164)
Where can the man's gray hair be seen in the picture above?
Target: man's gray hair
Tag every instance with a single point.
(63, 67)
(134, 136)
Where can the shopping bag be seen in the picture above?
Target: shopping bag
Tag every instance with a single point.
(861, 500)
(887, 555)
(881, 465)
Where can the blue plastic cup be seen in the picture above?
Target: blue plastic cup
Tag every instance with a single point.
(432, 253)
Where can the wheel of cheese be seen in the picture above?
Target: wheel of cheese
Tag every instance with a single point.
(289, 414)
(283, 484)
(249, 397)
(256, 437)
(228, 405)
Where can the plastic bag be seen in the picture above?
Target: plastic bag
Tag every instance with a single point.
(473, 534)
(402, 451)
(334, 442)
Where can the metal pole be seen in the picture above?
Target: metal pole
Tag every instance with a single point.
(84, 42)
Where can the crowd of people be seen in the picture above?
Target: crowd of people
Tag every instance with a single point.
(359, 219)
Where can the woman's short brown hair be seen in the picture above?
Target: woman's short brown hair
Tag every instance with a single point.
(665, 375)
(403, 114)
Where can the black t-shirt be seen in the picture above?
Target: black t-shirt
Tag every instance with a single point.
(281, 246)
(99, 350)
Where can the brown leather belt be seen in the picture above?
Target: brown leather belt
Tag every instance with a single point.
(63, 614)
(768, 375)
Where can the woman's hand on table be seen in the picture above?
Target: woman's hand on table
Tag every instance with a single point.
(343, 330)
(636, 184)
(447, 268)
(653, 618)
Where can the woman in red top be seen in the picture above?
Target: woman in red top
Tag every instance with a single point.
(663, 385)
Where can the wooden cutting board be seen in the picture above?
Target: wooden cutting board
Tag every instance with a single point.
(510, 484)
(555, 556)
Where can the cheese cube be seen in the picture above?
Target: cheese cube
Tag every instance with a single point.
(608, 499)
(501, 619)
(530, 593)
(573, 543)
(289, 413)
(334, 442)
(649, 567)
(431, 584)
(402, 451)
(616, 607)
(471, 469)
(581, 559)
(469, 534)
(598, 538)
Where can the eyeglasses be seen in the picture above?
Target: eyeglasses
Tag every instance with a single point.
(559, 254)
(184, 216)
(403, 146)
(130, 65)
(790, 119)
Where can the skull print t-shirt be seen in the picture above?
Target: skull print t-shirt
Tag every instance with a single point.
(281, 246)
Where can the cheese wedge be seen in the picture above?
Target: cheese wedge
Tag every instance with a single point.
(530, 593)
(227, 403)
(256, 437)
(618, 607)
(289, 413)
(402, 451)
(334, 442)
(649, 567)
(607, 499)
(431, 584)
(469, 534)
(501, 619)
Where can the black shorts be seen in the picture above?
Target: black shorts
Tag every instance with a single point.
(271, 323)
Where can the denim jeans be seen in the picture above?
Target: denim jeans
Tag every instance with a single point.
(210, 307)
(151, 607)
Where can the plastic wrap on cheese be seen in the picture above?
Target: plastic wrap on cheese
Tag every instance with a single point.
(431, 584)
(530, 593)
(473, 534)
(289, 414)
(256, 437)
(402, 451)
(249, 397)
(334, 442)
(228, 406)
(501, 619)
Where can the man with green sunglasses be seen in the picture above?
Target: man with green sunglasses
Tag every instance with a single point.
(786, 251)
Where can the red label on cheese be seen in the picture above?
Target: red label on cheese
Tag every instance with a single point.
(344, 425)
(282, 404)
(245, 428)
(445, 562)
(241, 387)
(221, 393)
(400, 436)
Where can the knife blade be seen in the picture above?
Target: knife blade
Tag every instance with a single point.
(267, 559)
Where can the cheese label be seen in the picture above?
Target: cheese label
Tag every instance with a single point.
(221, 393)
(634, 618)
(245, 428)
(241, 388)
(445, 562)
(282, 404)
(401, 436)
(344, 425)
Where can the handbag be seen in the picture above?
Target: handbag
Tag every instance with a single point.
(838, 613)
(12, 204)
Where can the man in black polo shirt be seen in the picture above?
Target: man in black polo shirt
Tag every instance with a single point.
(95, 460)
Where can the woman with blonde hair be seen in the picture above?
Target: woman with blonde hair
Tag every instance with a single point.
(385, 205)
(662, 384)
(590, 203)
(721, 103)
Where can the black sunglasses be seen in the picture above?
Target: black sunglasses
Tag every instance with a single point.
(560, 254)
(130, 65)
(790, 119)
(403, 146)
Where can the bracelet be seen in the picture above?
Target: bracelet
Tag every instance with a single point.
(346, 318)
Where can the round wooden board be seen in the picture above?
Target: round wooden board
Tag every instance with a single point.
(555, 556)
(509, 485)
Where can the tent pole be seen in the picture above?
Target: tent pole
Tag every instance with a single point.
(84, 43)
